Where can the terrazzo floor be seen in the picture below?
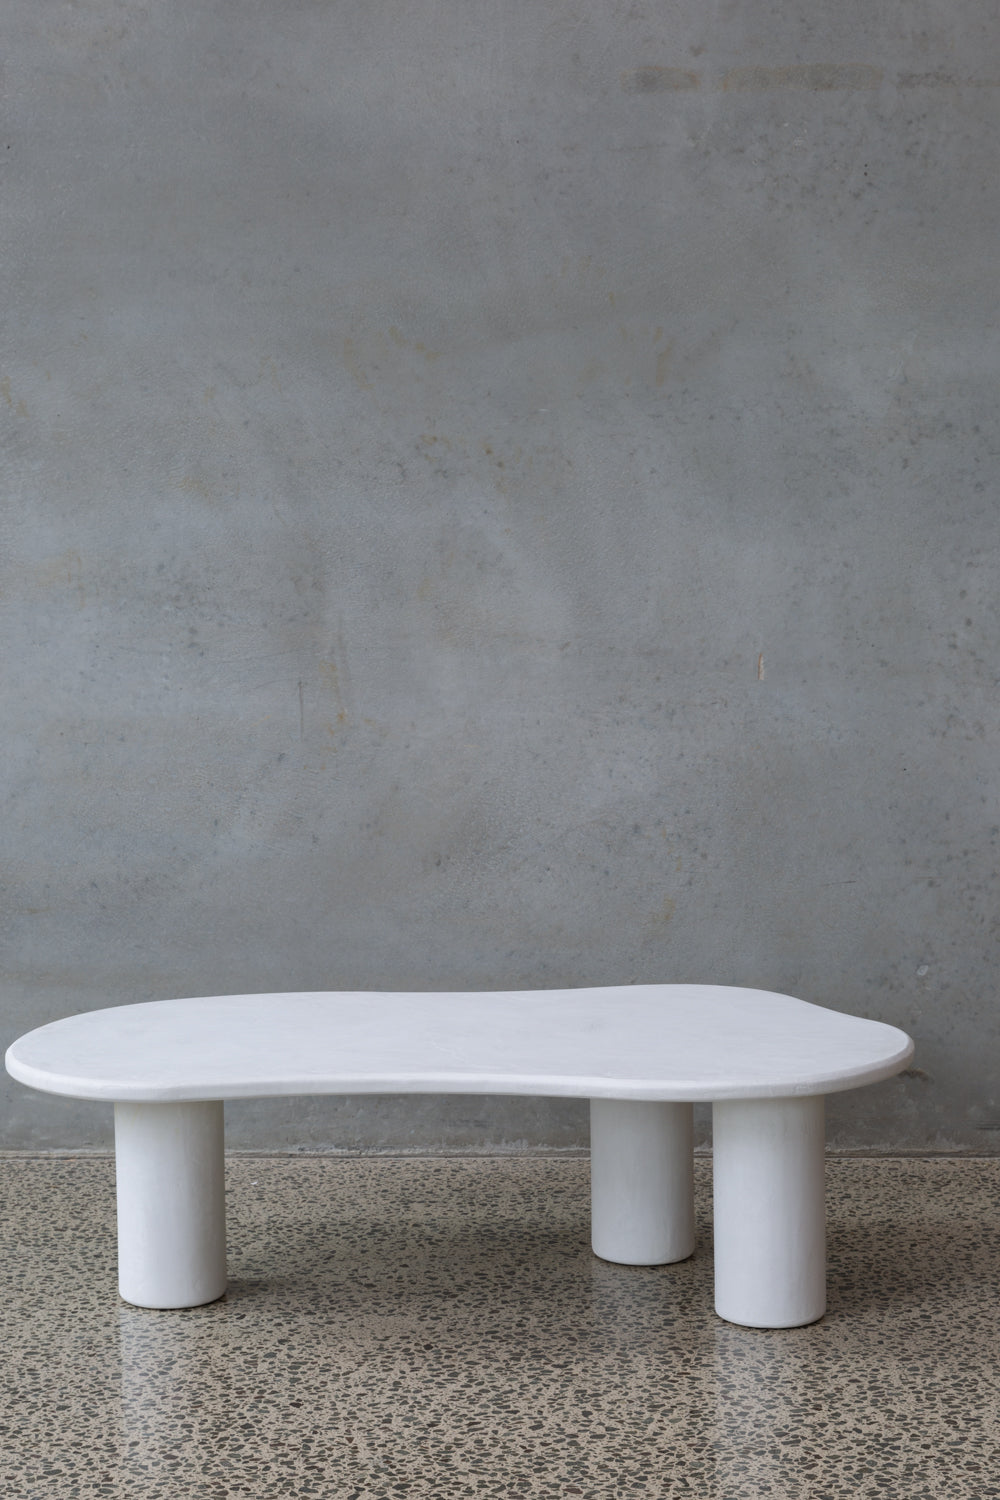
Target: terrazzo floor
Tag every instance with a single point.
(401, 1327)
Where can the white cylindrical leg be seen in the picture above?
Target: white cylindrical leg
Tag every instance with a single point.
(641, 1181)
(169, 1166)
(770, 1219)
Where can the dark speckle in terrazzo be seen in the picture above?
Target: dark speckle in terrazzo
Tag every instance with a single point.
(403, 1328)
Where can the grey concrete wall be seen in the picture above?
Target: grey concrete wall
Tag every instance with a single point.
(503, 495)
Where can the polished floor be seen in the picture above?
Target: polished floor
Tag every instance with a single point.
(401, 1327)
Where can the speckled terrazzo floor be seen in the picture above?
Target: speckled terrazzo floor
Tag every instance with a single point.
(440, 1328)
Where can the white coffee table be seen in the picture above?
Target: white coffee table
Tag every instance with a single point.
(641, 1054)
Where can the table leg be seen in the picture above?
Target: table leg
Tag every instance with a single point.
(770, 1227)
(641, 1181)
(169, 1167)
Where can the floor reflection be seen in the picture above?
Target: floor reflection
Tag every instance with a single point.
(440, 1328)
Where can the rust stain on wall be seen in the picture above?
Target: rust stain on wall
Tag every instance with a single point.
(62, 571)
(419, 348)
(655, 80)
(942, 80)
(354, 366)
(811, 76)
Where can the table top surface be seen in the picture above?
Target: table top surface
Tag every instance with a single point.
(666, 1042)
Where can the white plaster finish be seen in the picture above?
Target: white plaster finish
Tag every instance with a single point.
(642, 1042)
(641, 1181)
(769, 1211)
(641, 1054)
(170, 1187)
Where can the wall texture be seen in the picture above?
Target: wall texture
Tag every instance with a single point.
(502, 495)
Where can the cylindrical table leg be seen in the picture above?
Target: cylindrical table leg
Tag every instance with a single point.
(770, 1221)
(641, 1181)
(169, 1166)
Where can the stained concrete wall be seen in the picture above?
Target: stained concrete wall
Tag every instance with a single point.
(503, 495)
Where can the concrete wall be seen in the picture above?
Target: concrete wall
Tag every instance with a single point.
(503, 495)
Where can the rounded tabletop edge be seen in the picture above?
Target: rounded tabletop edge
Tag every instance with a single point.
(547, 1080)
(638, 1090)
